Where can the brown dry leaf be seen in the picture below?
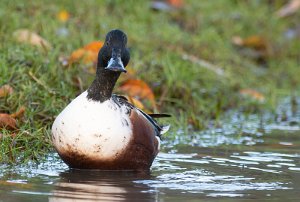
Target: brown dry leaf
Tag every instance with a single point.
(6, 90)
(63, 16)
(138, 88)
(253, 94)
(288, 9)
(94, 46)
(89, 57)
(19, 113)
(87, 54)
(76, 55)
(29, 37)
(257, 43)
(8, 122)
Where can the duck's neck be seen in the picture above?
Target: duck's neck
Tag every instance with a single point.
(102, 87)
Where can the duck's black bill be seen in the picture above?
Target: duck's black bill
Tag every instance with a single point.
(115, 63)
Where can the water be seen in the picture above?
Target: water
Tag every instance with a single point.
(245, 159)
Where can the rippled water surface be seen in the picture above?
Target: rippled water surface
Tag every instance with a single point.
(243, 160)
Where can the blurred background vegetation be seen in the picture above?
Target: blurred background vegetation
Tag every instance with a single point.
(196, 60)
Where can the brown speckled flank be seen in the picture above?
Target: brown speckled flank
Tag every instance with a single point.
(138, 155)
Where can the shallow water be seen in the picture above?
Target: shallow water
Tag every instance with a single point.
(246, 159)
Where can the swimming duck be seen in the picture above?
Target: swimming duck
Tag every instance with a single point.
(101, 130)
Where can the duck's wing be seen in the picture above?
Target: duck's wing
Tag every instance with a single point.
(160, 130)
(157, 116)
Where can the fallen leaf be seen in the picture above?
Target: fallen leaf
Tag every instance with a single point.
(253, 94)
(63, 16)
(76, 55)
(259, 44)
(288, 9)
(6, 90)
(90, 57)
(8, 122)
(26, 36)
(93, 46)
(19, 113)
(138, 88)
(255, 41)
(87, 54)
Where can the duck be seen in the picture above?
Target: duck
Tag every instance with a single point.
(104, 131)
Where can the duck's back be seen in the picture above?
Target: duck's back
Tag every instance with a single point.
(107, 135)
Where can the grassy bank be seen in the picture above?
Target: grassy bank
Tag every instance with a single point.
(189, 56)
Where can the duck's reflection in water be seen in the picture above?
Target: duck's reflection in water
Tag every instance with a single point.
(83, 185)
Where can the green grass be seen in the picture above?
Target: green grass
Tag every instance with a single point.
(193, 94)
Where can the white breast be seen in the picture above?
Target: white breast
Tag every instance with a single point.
(99, 130)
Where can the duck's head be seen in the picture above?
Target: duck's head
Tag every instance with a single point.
(114, 55)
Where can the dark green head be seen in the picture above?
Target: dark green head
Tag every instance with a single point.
(114, 55)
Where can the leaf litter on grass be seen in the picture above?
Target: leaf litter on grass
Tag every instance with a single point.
(199, 29)
(8, 121)
(29, 37)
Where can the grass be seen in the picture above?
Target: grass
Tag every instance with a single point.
(158, 40)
